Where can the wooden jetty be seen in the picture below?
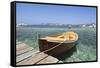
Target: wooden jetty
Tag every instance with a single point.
(26, 55)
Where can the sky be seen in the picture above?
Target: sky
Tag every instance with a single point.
(38, 13)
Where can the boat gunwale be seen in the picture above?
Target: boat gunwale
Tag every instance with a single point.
(58, 41)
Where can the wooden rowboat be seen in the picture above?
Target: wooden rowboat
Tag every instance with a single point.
(58, 43)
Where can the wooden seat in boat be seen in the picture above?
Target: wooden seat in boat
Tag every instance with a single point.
(63, 36)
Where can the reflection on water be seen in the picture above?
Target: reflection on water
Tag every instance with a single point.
(85, 49)
(66, 54)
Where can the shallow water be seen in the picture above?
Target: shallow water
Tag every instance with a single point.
(85, 49)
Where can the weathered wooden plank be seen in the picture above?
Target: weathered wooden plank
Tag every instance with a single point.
(21, 46)
(24, 61)
(48, 60)
(24, 50)
(35, 59)
(27, 59)
(24, 56)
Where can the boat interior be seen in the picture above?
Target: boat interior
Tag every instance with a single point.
(68, 36)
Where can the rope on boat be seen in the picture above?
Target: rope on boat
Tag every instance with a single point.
(38, 36)
(52, 47)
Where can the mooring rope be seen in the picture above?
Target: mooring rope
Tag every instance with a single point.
(52, 47)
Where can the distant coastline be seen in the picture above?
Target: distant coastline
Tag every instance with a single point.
(91, 25)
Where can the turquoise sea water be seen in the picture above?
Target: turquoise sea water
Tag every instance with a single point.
(85, 49)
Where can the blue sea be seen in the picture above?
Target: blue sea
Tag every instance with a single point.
(85, 49)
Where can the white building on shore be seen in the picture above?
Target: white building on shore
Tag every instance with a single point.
(21, 24)
(89, 25)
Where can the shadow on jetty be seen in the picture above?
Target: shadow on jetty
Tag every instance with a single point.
(66, 54)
